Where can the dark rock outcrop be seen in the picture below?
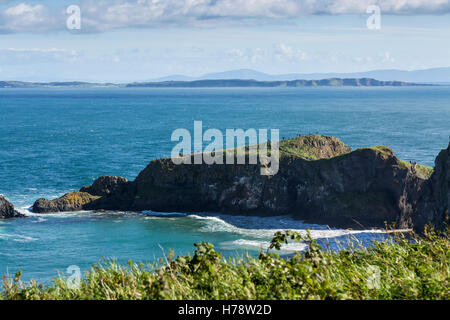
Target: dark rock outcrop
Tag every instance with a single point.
(74, 201)
(105, 186)
(109, 193)
(433, 205)
(360, 189)
(320, 181)
(7, 209)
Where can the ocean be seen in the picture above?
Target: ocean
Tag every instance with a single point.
(53, 141)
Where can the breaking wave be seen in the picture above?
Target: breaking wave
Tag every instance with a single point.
(253, 237)
(260, 245)
(217, 224)
(16, 237)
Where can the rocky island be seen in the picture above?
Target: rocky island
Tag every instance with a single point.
(321, 180)
(7, 209)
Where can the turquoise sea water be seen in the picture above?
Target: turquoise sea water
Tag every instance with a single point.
(53, 141)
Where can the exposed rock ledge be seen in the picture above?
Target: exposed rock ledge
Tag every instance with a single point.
(7, 209)
(320, 181)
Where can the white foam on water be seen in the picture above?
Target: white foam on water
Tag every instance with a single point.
(81, 214)
(16, 237)
(39, 220)
(258, 232)
(260, 245)
(254, 233)
(42, 217)
(25, 210)
(215, 224)
(61, 214)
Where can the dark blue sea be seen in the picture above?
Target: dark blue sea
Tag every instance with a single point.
(53, 141)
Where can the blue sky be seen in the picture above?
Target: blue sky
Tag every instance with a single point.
(140, 40)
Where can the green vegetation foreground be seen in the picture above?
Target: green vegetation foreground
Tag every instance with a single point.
(398, 268)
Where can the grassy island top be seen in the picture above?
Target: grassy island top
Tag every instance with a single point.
(315, 147)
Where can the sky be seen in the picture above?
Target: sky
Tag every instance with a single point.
(139, 40)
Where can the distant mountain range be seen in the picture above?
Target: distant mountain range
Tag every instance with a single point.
(332, 82)
(425, 76)
(436, 75)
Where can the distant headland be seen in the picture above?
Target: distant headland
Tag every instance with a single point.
(227, 83)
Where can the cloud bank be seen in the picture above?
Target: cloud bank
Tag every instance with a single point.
(105, 15)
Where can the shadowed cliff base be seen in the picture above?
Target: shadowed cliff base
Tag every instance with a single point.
(320, 180)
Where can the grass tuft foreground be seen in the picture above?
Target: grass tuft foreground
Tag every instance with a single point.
(399, 268)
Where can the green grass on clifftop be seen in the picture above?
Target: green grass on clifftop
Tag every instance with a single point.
(399, 268)
(384, 150)
(422, 171)
(318, 147)
(313, 147)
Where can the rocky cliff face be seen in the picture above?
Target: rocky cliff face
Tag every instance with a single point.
(361, 189)
(433, 204)
(105, 186)
(7, 209)
(320, 181)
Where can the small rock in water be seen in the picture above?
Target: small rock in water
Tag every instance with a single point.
(7, 209)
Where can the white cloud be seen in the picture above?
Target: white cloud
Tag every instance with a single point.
(253, 56)
(27, 18)
(237, 53)
(279, 53)
(285, 52)
(34, 55)
(103, 15)
(388, 58)
(39, 50)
